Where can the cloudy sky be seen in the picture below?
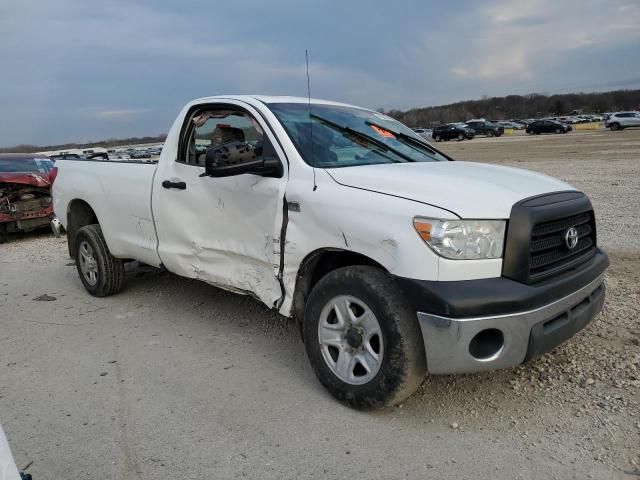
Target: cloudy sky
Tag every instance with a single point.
(81, 70)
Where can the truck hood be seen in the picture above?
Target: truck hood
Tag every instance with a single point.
(470, 190)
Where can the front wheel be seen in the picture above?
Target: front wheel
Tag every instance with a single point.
(558, 131)
(437, 138)
(363, 341)
(490, 133)
(100, 272)
(614, 127)
(460, 137)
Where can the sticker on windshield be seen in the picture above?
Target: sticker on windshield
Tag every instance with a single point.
(382, 132)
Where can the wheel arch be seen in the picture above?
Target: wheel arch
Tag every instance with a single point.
(316, 265)
(79, 214)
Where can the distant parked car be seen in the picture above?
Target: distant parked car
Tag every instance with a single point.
(547, 126)
(452, 130)
(620, 120)
(64, 156)
(512, 125)
(75, 156)
(424, 132)
(482, 127)
(140, 154)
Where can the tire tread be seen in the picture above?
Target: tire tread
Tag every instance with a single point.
(405, 367)
(112, 268)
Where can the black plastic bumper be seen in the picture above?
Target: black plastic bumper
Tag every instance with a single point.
(495, 296)
(547, 335)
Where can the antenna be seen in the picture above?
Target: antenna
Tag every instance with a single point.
(313, 161)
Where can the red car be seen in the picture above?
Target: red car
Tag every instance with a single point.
(25, 192)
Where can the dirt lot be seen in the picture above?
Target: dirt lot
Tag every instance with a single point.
(176, 379)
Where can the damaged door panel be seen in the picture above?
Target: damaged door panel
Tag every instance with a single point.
(224, 231)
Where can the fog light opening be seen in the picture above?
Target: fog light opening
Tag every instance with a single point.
(487, 344)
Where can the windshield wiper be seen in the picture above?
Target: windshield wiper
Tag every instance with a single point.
(363, 136)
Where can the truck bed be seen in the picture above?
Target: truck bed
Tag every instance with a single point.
(120, 194)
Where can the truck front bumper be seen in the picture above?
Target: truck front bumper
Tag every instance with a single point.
(513, 322)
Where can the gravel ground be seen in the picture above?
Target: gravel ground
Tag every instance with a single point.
(176, 379)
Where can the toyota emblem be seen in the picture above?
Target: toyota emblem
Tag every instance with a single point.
(571, 238)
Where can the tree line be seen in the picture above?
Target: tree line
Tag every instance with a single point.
(533, 105)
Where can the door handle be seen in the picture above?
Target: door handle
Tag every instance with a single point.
(174, 183)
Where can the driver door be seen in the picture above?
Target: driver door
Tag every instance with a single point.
(224, 231)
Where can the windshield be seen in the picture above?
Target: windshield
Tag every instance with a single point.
(35, 165)
(348, 136)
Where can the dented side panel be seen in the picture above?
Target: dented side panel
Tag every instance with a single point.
(224, 231)
(335, 217)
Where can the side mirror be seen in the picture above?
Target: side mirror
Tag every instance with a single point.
(239, 158)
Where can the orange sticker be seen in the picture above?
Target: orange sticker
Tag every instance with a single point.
(382, 132)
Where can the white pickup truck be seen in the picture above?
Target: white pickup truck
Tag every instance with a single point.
(395, 260)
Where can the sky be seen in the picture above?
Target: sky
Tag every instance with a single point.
(83, 70)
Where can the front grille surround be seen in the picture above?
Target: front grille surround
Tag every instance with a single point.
(535, 248)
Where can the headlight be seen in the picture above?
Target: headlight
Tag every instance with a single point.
(463, 239)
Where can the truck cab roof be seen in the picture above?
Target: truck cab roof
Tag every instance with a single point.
(252, 99)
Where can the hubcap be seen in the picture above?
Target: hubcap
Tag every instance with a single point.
(88, 263)
(350, 340)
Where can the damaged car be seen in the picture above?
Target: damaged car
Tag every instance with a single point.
(395, 260)
(25, 192)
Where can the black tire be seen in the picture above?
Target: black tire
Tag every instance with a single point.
(109, 270)
(460, 137)
(614, 127)
(403, 365)
(490, 133)
(529, 132)
(437, 138)
(558, 131)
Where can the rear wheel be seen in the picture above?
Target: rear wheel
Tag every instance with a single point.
(529, 132)
(437, 138)
(100, 272)
(363, 341)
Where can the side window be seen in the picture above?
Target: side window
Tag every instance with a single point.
(211, 128)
